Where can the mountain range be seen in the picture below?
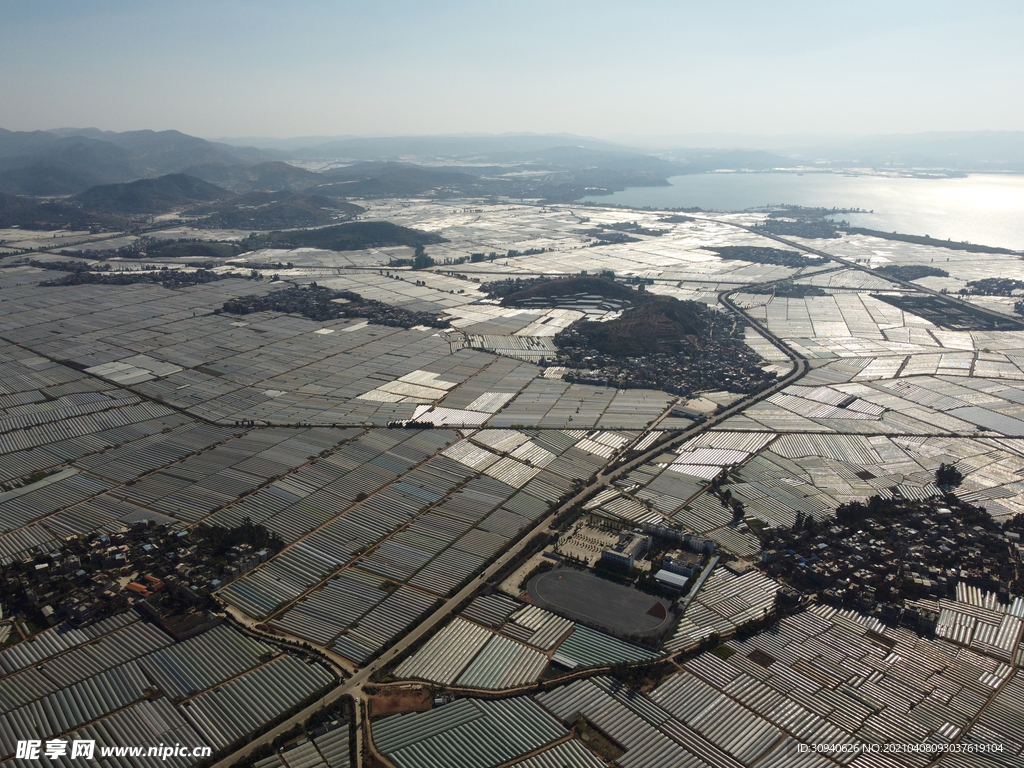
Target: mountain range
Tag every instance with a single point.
(68, 161)
(83, 164)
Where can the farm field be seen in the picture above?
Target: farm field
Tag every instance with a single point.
(399, 451)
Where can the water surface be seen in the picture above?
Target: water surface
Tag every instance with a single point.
(981, 208)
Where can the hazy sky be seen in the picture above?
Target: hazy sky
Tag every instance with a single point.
(256, 68)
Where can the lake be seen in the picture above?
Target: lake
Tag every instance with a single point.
(981, 208)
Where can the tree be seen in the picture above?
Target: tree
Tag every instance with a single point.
(778, 603)
(852, 513)
(883, 592)
(948, 477)
(738, 511)
(421, 260)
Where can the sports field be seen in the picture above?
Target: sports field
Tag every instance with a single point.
(585, 597)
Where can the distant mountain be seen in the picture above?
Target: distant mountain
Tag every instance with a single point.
(442, 147)
(34, 166)
(46, 179)
(369, 169)
(68, 161)
(71, 160)
(703, 160)
(953, 150)
(608, 160)
(965, 151)
(950, 150)
(151, 195)
(569, 175)
(268, 175)
(265, 143)
(20, 143)
(168, 151)
(257, 211)
(394, 180)
(27, 213)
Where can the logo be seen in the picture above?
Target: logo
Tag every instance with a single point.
(30, 749)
